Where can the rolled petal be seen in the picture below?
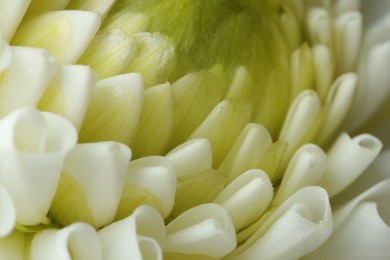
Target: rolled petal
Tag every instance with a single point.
(297, 227)
(337, 105)
(114, 110)
(11, 14)
(205, 230)
(222, 127)
(65, 34)
(8, 213)
(299, 125)
(139, 236)
(34, 146)
(344, 6)
(98, 172)
(347, 159)
(77, 241)
(246, 198)
(362, 228)
(247, 151)
(155, 122)
(68, 94)
(306, 168)
(154, 174)
(191, 156)
(26, 78)
(324, 69)
(320, 27)
(126, 20)
(348, 30)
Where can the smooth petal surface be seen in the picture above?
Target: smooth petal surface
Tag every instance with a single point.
(26, 78)
(246, 198)
(68, 94)
(8, 213)
(11, 13)
(297, 227)
(98, 170)
(77, 241)
(205, 230)
(5, 54)
(347, 159)
(362, 228)
(33, 147)
(140, 236)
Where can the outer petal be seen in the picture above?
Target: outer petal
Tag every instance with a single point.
(299, 226)
(78, 241)
(33, 146)
(8, 213)
(139, 236)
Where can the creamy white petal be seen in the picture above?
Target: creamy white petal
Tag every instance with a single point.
(297, 227)
(301, 117)
(158, 176)
(68, 94)
(11, 13)
(26, 78)
(139, 236)
(348, 31)
(246, 198)
(246, 152)
(7, 213)
(319, 24)
(344, 6)
(347, 159)
(362, 227)
(306, 168)
(33, 146)
(5, 54)
(77, 241)
(99, 168)
(324, 69)
(191, 156)
(206, 230)
(374, 87)
(337, 105)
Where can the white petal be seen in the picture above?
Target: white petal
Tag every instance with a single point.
(192, 156)
(139, 236)
(99, 168)
(8, 213)
(157, 175)
(319, 26)
(324, 68)
(344, 6)
(25, 79)
(11, 13)
(299, 226)
(206, 230)
(347, 159)
(5, 54)
(78, 241)
(246, 198)
(348, 31)
(71, 98)
(374, 87)
(300, 119)
(246, 152)
(306, 168)
(362, 228)
(33, 145)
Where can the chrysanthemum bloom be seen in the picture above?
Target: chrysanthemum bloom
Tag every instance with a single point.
(233, 114)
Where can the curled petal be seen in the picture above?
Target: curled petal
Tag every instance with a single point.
(139, 236)
(77, 241)
(205, 230)
(34, 146)
(11, 13)
(297, 227)
(25, 79)
(362, 227)
(98, 171)
(246, 198)
(192, 156)
(347, 159)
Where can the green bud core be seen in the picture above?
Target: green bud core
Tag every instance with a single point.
(227, 34)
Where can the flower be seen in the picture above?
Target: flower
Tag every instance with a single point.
(233, 115)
